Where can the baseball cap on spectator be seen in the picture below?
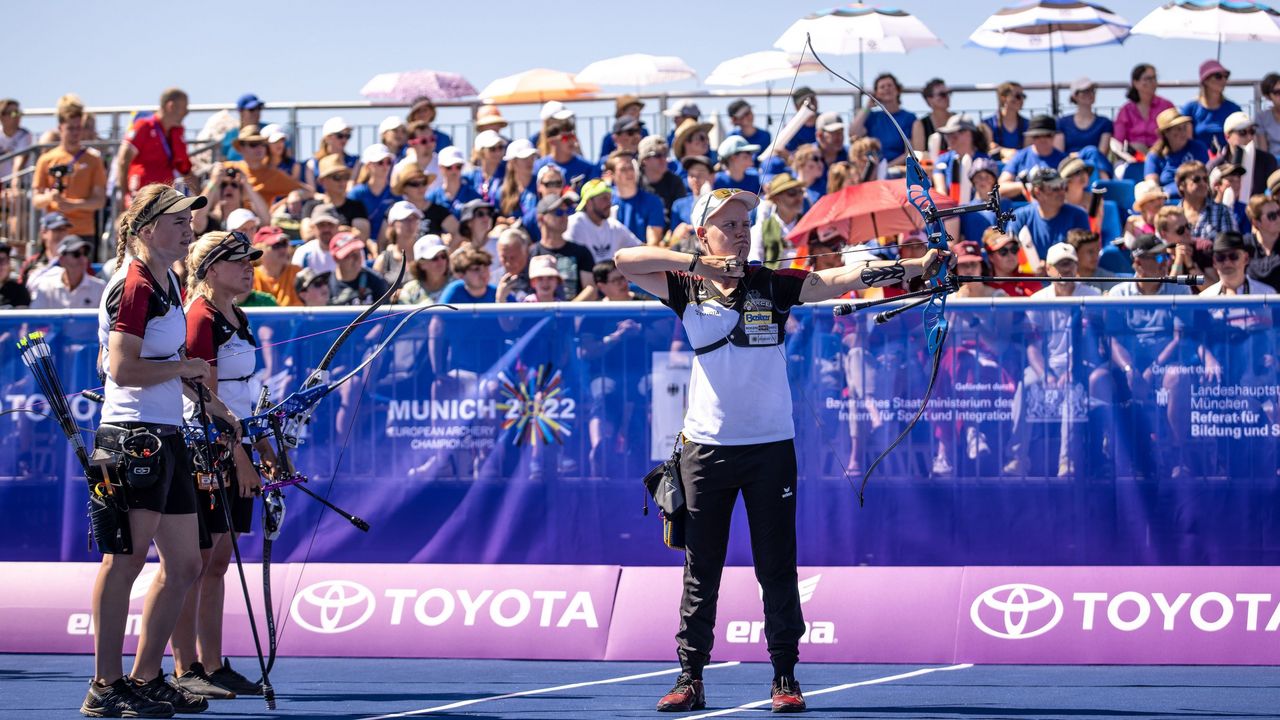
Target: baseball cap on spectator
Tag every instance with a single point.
(238, 217)
(248, 101)
(735, 144)
(1146, 191)
(997, 240)
(1170, 118)
(1224, 170)
(781, 183)
(1044, 176)
(390, 122)
(546, 170)
(554, 110)
(1231, 240)
(325, 212)
(1059, 252)
(684, 109)
(343, 244)
(552, 202)
(958, 122)
(468, 209)
(268, 235)
(375, 153)
(1209, 67)
(986, 165)
(710, 203)
(653, 146)
(403, 209)
(1148, 244)
(451, 156)
(968, 252)
(429, 247)
(1080, 84)
(520, 148)
(690, 160)
(71, 243)
(330, 164)
(1042, 125)
(625, 101)
(488, 116)
(802, 92)
(307, 278)
(830, 122)
(543, 266)
(333, 126)
(486, 139)
(738, 108)
(274, 132)
(625, 123)
(594, 188)
(1237, 121)
(54, 221)
(248, 134)
(831, 235)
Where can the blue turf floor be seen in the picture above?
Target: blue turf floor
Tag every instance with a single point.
(52, 686)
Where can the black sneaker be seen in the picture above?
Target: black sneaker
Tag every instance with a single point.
(160, 691)
(686, 695)
(234, 681)
(196, 681)
(119, 700)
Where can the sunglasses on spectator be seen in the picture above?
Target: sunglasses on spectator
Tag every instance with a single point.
(1216, 76)
(1197, 178)
(1224, 257)
(1019, 96)
(315, 284)
(416, 184)
(1180, 230)
(475, 267)
(793, 192)
(482, 213)
(1247, 132)
(1054, 187)
(1007, 250)
(385, 162)
(553, 183)
(253, 145)
(942, 94)
(422, 140)
(345, 136)
(279, 244)
(561, 212)
(559, 132)
(632, 131)
(14, 113)
(340, 177)
(76, 254)
(698, 138)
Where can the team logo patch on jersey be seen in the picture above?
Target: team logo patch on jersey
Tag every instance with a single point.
(756, 317)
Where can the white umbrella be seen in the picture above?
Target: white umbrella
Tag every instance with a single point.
(760, 67)
(1050, 26)
(635, 70)
(858, 28)
(1215, 21)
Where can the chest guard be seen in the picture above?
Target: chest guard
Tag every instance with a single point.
(760, 323)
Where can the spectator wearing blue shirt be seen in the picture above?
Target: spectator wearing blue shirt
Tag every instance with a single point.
(698, 173)
(877, 123)
(626, 135)
(641, 212)
(1210, 110)
(1175, 147)
(373, 185)
(560, 141)
(334, 135)
(1007, 126)
(964, 140)
(552, 111)
(1047, 220)
(831, 147)
(1083, 128)
(808, 168)
(488, 166)
(744, 125)
(393, 133)
(453, 191)
(250, 109)
(982, 179)
(549, 180)
(657, 177)
(693, 138)
(808, 133)
(680, 113)
(624, 106)
(736, 159)
(1040, 153)
(1227, 176)
(423, 109)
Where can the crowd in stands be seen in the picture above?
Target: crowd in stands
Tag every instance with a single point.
(349, 220)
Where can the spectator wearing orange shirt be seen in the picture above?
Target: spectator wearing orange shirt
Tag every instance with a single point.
(275, 274)
(269, 181)
(71, 179)
(154, 150)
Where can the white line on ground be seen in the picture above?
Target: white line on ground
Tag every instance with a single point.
(541, 691)
(837, 688)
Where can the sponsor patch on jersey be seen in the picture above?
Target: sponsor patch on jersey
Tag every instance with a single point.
(756, 317)
(770, 338)
(761, 329)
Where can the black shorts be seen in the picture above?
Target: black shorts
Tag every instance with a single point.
(173, 493)
(215, 519)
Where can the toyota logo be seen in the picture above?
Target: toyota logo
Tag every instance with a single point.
(1020, 611)
(341, 605)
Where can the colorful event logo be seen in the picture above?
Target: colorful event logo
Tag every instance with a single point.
(536, 405)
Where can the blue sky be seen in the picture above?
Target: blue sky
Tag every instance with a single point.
(124, 53)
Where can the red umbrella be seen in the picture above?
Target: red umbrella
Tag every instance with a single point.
(865, 211)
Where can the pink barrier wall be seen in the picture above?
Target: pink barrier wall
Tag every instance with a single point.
(1140, 615)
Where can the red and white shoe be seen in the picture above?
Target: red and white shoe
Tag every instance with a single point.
(787, 697)
(685, 696)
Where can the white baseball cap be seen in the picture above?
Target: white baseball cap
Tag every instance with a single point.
(710, 203)
(1237, 121)
(390, 122)
(451, 156)
(487, 139)
(333, 126)
(554, 110)
(520, 148)
(428, 247)
(238, 217)
(1060, 252)
(375, 153)
(401, 210)
(274, 133)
